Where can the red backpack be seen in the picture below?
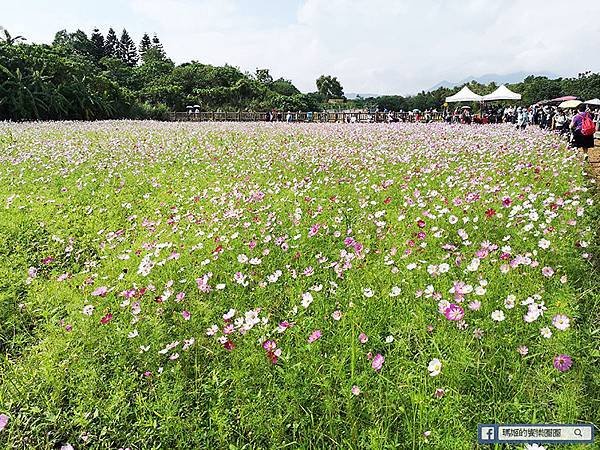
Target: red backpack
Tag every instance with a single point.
(587, 126)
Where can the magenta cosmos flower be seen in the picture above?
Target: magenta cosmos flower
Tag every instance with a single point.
(562, 363)
(454, 312)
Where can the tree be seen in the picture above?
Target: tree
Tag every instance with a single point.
(156, 44)
(263, 76)
(75, 43)
(127, 50)
(8, 39)
(329, 87)
(98, 41)
(284, 87)
(145, 45)
(111, 44)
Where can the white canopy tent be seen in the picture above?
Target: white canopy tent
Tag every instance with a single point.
(464, 95)
(502, 93)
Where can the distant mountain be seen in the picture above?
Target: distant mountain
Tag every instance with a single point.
(353, 95)
(514, 77)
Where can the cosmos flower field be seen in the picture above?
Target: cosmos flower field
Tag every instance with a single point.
(169, 285)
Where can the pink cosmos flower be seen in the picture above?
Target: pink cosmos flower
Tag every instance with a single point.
(3, 421)
(377, 362)
(186, 314)
(100, 292)
(355, 390)
(562, 363)
(269, 345)
(315, 335)
(475, 305)
(62, 277)
(284, 326)
(337, 314)
(313, 230)
(363, 338)
(548, 272)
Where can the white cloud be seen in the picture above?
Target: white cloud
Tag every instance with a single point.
(380, 46)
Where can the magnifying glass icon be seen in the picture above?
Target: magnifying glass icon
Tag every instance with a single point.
(577, 432)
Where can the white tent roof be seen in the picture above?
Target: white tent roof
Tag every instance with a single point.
(464, 95)
(502, 93)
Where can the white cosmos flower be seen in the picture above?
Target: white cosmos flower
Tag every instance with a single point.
(561, 322)
(395, 291)
(544, 243)
(307, 299)
(498, 315)
(434, 367)
(546, 332)
(474, 265)
(509, 303)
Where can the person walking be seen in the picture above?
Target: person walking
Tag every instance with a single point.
(583, 129)
(522, 118)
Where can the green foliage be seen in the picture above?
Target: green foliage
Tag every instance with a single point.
(103, 77)
(329, 87)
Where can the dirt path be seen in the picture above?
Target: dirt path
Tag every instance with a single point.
(594, 157)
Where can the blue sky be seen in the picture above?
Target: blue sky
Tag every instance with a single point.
(372, 46)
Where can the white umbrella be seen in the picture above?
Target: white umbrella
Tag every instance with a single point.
(464, 95)
(593, 102)
(502, 93)
(568, 104)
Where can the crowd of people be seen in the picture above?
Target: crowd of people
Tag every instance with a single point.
(576, 125)
(568, 122)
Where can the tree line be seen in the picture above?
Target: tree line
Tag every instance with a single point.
(532, 89)
(109, 76)
(106, 76)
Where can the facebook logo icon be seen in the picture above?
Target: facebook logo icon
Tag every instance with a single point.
(487, 433)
